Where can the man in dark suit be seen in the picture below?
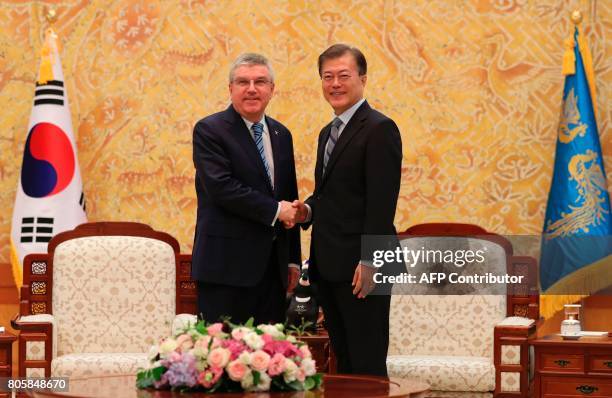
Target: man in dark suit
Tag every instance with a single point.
(357, 181)
(245, 182)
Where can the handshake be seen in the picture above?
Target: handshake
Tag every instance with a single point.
(292, 213)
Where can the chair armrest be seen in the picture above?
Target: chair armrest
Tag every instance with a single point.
(181, 322)
(516, 321)
(36, 333)
(511, 356)
(36, 324)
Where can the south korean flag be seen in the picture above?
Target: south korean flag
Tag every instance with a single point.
(49, 196)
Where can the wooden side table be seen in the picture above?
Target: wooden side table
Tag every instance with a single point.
(6, 354)
(573, 368)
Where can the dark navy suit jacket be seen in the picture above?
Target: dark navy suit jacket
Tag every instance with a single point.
(236, 202)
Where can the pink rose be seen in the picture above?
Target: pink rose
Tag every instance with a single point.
(216, 342)
(235, 347)
(219, 357)
(267, 338)
(210, 376)
(215, 329)
(300, 375)
(202, 343)
(276, 365)
(184, 343)
(237, 370)
(305, 351)
(260, 360)
(282, 347)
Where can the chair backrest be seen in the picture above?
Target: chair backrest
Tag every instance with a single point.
(453, 320)
(112, 287)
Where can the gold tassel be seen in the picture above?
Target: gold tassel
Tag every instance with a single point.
(16, 265)
(569, 59)
(587, 60)
(551, 304)
(590, 279)
(45, 72)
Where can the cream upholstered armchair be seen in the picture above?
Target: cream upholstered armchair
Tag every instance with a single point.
(470, 345)
(99, 298)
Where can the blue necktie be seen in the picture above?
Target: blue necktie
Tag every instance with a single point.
(257, 132)
(331, 141)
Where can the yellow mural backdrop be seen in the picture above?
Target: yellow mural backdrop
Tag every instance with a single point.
(474, 85)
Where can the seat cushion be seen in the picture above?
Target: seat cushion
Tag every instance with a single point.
(445, 373)
(96, 364)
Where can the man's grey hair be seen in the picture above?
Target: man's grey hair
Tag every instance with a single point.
(250, 59)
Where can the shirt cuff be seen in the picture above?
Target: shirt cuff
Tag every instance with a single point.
(293, 265)
(277, 213)
(367, 263)
(309, 216)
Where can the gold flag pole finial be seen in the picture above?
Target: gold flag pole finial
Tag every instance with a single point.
(569, 60)
(51, 15)
(45, 72)
(576, 17)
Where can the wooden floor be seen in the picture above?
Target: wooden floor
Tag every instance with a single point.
(9, 305)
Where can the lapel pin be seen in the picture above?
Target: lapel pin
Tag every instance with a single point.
(275, 132)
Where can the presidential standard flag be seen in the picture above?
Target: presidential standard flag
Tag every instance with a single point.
(49, 195)
(576, 258)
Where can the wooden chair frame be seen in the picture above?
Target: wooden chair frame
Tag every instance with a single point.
(37, 288)
(523, 303)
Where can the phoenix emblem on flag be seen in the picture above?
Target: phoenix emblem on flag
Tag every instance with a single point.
(591, 186)
(571, 115)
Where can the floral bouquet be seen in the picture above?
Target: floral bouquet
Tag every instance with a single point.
(227, 357)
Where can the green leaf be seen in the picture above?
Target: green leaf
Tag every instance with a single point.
(146, 378)
(295, 385)
(309, 383)
(256, 377)
(249, 323)
(201, 327)
(318, 379)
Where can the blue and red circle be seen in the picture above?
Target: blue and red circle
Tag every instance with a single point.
(48, 161)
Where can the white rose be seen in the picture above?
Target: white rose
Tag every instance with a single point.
(167, 346)
(247, 381)
(239, 332)
(272, 330)
(245, 357)
(291, 339)
(253, 340)
(308, 366)
(153, 352)
(264, 382)
(290, 370)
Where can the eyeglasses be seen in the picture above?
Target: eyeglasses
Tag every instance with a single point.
(342, 77)
(244, 83)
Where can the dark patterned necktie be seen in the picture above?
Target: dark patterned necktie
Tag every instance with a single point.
(257, 133)
(331, 141)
